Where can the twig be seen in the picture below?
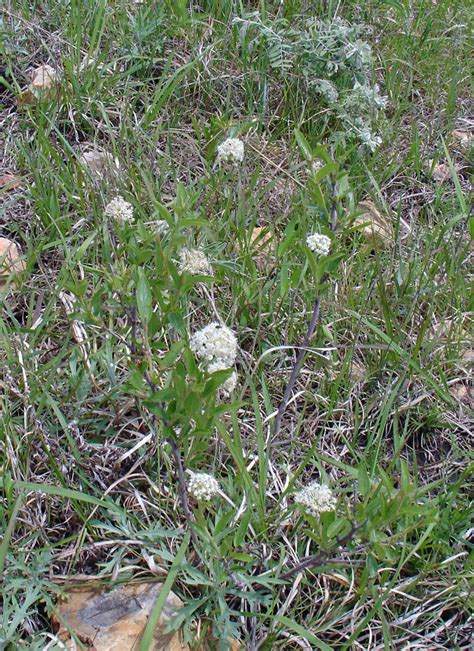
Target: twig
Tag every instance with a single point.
(183, 493)
(176, 452)
(297, 366)
(316, 559)
(315, 317)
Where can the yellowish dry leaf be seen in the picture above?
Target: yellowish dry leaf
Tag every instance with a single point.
(376, 228)
(9, 182)
(27, 97)
(115, 620)
(44, 77)
(463, 138)
(261, 247)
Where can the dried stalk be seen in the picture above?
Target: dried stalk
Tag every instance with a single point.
(313, 324)
(316, 559)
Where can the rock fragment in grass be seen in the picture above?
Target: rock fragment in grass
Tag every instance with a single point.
(115, 620)
(44, 77)
(99, 163)
(11, 262)
(466, 361)
(357, 372)
(462, 138)
(375, 227)
(440, 172)
(463, 393)
(44, 85)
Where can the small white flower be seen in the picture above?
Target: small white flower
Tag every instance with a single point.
(316, 498)
(194, 262)
(120, 210)
(231, 150)
(320, 244)
(229, 385)
(215, 343)
(202, 486)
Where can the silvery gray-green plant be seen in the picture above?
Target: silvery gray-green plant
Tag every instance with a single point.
(332, 62)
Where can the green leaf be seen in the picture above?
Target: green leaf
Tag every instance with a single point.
(304, 633)
(304, 145)
(152, 623)
(144, 298)
(405, 356)
(9, 531)
(177, 322)
(69, 494)
(363, 481)
(470, 222)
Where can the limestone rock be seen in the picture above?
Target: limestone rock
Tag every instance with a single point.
(44, 77)
(99, 163)
(115, 620)
(44, 85)
(11, 262)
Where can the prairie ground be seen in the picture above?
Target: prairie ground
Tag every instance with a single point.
(237, 249)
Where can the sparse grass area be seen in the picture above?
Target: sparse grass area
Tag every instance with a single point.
(102, 401)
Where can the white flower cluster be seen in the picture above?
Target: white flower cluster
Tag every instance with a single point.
(316, 498)
(215, 343)
(193, 261)
(320, 244)
(231, 150)
(229, 385)
(202, 486)
(120, 210)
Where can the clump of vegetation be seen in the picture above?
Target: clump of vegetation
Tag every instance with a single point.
(330, 64)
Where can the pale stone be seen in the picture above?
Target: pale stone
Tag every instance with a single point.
(10, 259)
(115, 620)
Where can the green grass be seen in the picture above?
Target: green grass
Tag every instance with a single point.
(98, 399)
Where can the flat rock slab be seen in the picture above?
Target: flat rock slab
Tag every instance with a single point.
(115, 620)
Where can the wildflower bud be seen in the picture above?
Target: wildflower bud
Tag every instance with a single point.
(229, 385)
(215, 343)
(194, 262)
